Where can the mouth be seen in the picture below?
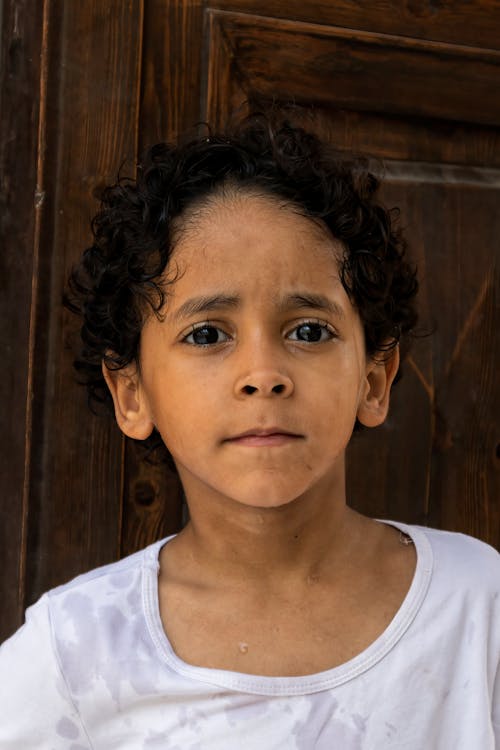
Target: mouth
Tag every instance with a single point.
(257, 438)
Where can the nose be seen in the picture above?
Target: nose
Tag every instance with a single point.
(264, 382)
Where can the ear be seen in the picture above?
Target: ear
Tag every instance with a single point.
(374, 402)
(131, 406)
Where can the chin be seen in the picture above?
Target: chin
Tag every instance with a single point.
(268, 503)
(268, 488)
(266, 496)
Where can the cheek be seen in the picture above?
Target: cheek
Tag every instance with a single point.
(334, 395)
(181, 412)
(336, 418)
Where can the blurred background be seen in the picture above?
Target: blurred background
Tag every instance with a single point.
(86, 85)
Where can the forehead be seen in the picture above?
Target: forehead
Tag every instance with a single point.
(253, 240)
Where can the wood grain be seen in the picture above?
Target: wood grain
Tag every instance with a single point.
(463, 472)
(471, 22)
(152, 501)
(361, 71)
(21, 47)
(91, 128)
(446, 400)
(172, 70)
(409, 139)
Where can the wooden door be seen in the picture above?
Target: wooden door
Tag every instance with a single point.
(414, 85)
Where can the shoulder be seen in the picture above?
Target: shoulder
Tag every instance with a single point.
(36, 709)
(95, 621)
(464, 551)
(65, 649)
(102, 597)
(114, 574)
(454, 560)
(459, 563)
(95, 600)
(106, 584)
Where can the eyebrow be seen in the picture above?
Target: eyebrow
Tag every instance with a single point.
(312, 301)
(202, 304)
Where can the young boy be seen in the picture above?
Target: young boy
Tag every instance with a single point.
(246, 300)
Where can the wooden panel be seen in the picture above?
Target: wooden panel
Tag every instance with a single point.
(152, 501)
(172, 69)
(91, 129)
(358, 70)
(19, 104)
(464, 285)
(474, 22)
(228, 93)
(385, 136)
(446, 400)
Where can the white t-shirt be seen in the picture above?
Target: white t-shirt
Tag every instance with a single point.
(93, 668)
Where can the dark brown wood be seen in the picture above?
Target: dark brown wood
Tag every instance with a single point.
(463, 475)
(358, 70)
(77, 477)
(21, 48)
(446, 400)
(416, 139)
(172, 70)
(474, 23)
(152, 501)
(90, 85)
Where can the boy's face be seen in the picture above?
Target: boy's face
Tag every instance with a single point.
(256, 373)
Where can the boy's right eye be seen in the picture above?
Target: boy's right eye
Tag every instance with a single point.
(205, 335)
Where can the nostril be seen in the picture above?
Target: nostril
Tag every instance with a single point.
(265, 389)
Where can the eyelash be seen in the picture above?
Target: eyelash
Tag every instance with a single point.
(325, 327)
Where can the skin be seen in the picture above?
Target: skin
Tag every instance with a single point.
(254, 377)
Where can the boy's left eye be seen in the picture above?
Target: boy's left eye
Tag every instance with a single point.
(311, 332)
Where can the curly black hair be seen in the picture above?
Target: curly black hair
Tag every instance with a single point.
(120, 281)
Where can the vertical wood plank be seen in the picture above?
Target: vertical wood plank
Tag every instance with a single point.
(464, 284)
(20, 69)
(152, 501)
(172, 69)
(77, 460)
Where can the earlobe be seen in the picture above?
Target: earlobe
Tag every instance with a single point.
(131, 408)
(374, 402)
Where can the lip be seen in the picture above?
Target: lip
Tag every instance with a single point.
(271, 436)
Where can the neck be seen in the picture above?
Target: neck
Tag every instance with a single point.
(228, 541)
